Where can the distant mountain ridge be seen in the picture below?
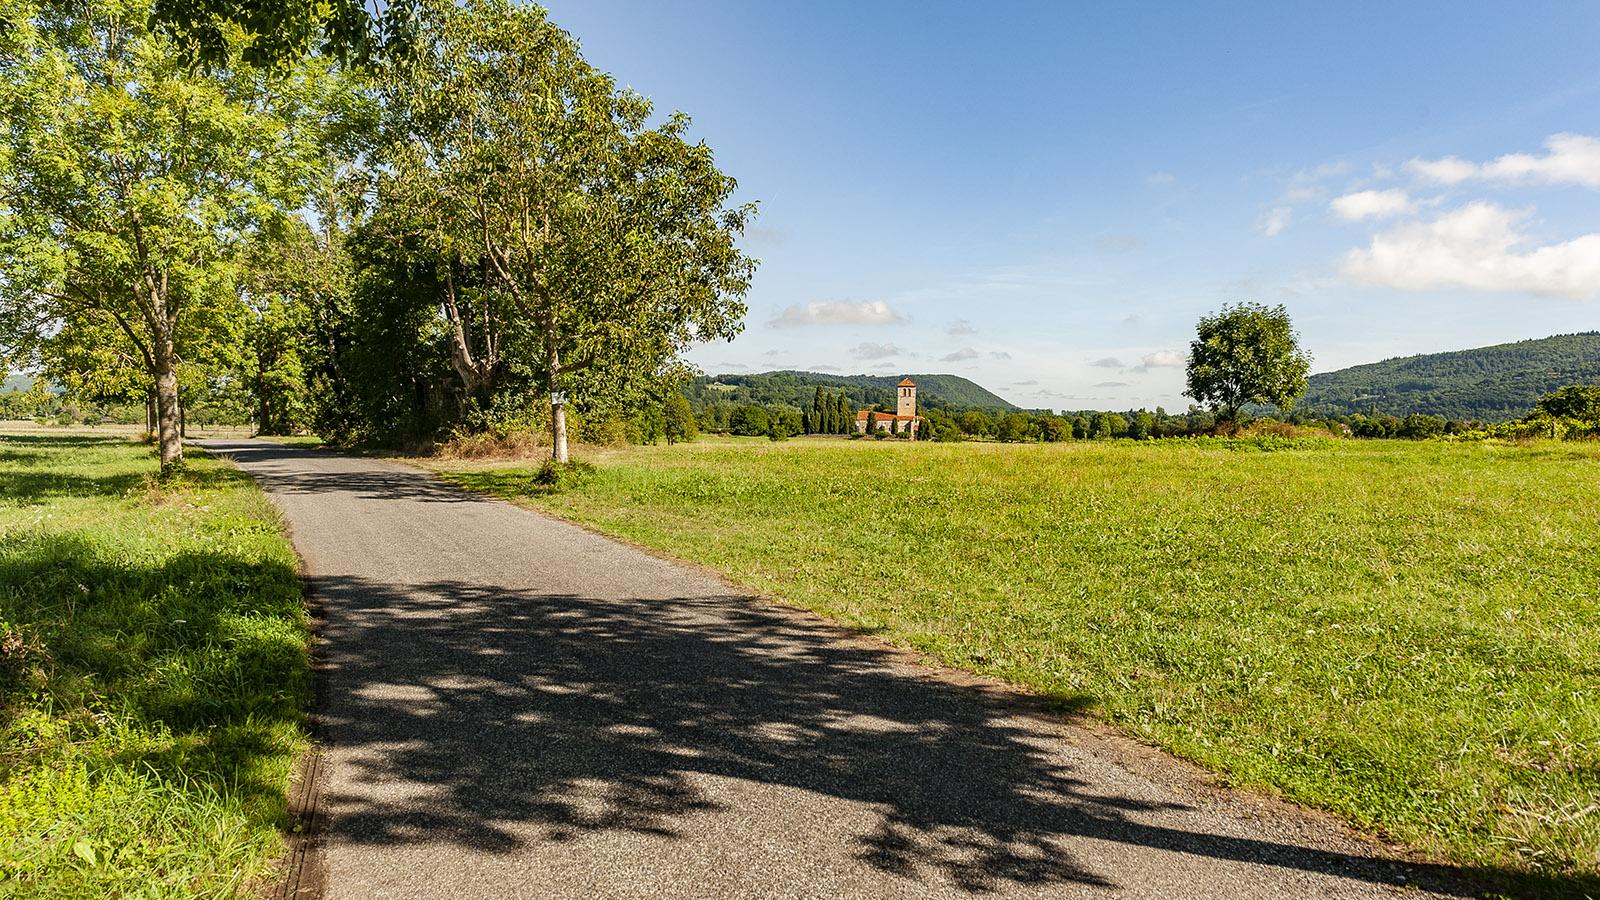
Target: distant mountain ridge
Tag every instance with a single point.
(1494, 384)
(790, 387)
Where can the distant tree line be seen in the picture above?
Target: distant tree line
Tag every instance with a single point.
(1491, 384)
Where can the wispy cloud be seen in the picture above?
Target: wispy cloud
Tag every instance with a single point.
(999, 354)
(1107, 362)
(1160, 179)
(1275, 221)
(870, 350)
(836, 312)
(1112, 384)
(965, 353)
(960, 327)
(1481, 247)
(1118, 243)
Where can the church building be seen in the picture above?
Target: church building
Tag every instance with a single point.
(904, 420)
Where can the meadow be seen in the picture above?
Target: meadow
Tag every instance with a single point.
(1404, 633)
(153, 673)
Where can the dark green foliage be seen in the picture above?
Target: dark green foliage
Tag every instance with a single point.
(749, 421)
(1016, 427)
(678, 419)
(1492, 384)
(1576, 401)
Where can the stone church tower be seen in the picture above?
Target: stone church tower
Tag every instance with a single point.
(907, 405)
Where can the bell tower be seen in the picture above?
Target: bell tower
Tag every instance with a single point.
(907, 401)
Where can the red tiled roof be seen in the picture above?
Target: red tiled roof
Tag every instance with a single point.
(906, 382)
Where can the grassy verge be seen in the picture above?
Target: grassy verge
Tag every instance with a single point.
(1407, 634)
(152, 673)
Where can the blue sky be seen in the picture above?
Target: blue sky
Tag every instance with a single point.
(1044, 197)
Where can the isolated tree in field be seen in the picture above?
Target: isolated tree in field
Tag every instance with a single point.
(126, 182)
(612, 242)
(1248, 353)
(680, 425)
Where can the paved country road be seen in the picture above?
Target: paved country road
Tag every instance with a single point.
(515, 707)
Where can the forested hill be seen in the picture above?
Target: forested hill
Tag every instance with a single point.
(796, 389)
(1493, 384)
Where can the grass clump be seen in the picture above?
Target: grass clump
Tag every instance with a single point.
(1407, 634)
(153, 673)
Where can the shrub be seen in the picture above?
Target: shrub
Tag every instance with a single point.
(557, 476)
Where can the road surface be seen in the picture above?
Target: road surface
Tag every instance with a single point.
(515, 707)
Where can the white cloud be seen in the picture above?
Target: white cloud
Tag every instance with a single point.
(1303, 194)
(1449, 170)
(1570, 159)
(1107, 362)
(1160, 179)
(836, 312)
(964, 353)
(1162, 359)
(1274, 222)
(1480, 247)
(1112, 384)
(960, 327)
(1372, 205)
(874, 351)
(999, 354)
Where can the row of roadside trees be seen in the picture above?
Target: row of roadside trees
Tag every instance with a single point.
(470, 228)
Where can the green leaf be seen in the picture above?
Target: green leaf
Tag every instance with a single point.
(85, 851)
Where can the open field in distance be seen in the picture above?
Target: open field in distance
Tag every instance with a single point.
(1405, 633)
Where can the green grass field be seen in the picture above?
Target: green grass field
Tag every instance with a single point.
(1407, 634)
(153, 672)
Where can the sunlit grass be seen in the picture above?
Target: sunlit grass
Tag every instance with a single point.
(152, 673)
(1405, 633)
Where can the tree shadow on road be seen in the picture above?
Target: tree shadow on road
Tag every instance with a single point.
(519, 708)
(393, 483)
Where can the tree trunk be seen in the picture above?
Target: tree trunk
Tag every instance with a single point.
(558, 431)
(171, 440)
(558, 410)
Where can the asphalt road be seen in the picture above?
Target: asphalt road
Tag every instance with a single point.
(515, 707)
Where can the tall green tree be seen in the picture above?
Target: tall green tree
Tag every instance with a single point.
(1246, 353)
(611, 242)
(127, 181)
(679, 424)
